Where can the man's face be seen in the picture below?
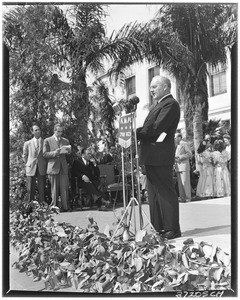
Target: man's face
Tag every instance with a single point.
(36, 131)
(87, 154)
(58, 131)
(157, 89)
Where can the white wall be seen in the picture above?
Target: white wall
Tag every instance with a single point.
(219, 106)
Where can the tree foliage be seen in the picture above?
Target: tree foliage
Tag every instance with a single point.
(43, 41)
(199, 37)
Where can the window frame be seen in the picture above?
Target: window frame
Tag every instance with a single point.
(130, 92)
(218, 74)
(156, 71)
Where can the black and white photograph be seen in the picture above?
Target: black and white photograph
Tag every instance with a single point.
(120, 149)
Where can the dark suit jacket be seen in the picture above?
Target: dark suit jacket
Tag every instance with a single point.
(164, 117)
(55, 162)
(79, 169)
(107, 158)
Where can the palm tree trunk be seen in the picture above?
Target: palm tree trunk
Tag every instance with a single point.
(81, 109)
(197, 128)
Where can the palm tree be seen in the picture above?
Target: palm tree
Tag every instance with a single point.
(195, 35)
(76, 43)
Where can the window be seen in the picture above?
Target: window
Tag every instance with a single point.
(151, 73)
(218, 84)
(131, 86)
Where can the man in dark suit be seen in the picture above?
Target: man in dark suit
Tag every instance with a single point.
(55, 149)
(157, 153)
(88, 174)
(35, 164)
(110, 158)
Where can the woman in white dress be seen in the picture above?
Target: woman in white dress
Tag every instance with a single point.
(227, 142)
(221, 174)
(205, 182)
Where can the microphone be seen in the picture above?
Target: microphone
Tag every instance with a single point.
(129, 105)
(134, 100)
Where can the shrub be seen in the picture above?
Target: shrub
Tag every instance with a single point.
(17, 184)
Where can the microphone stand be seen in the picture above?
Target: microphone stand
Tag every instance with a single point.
(137, 171)
(133, 200)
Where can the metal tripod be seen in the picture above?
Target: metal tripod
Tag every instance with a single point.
(124, 221)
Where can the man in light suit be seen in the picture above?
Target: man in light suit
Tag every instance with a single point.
(35, 164)
(182, 166)
(57, 167)
(157, 153)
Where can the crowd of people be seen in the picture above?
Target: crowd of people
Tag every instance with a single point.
(162, 150)
(214, 166)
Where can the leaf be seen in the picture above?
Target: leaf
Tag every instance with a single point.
(107, 231)
(101, 249)
(214, 249)
(38, 241)
(184, 260)
(167, 289)
(122, 279)
(107, 286)
(189, 241)
(207, 250)
(172, 272)
(98, 286)
(138, 263)
(193, 272)
(222, 257)
(75, 281)
(212, 285)
(71, 267)
(160, 282)
(227, 271)
(193, 255)
(160, 249)
(61, 232)
(126, 235)
(140, 235)
(64, 264)
(83, 281)
(217, 274)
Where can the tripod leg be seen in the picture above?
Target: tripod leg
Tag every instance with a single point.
(123, 216)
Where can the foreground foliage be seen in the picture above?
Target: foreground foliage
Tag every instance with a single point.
(63, 255)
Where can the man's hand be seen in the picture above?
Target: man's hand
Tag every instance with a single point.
(57, 152)
(85, 178)
(177, 160)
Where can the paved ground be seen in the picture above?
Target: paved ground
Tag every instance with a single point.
(206, 220)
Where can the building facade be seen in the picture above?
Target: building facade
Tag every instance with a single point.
(138, 77)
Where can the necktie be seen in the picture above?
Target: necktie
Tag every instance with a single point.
(37, 144)
(58, 142)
